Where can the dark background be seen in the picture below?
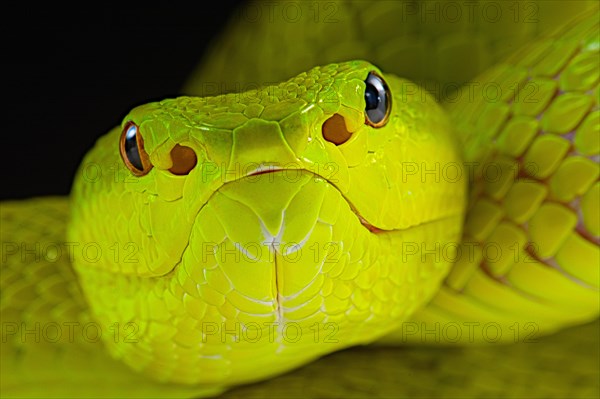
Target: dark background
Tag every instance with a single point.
(71, 74)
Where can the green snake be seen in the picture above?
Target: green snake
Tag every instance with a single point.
(251, 227)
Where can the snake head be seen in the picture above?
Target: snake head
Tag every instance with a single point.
(269, 224)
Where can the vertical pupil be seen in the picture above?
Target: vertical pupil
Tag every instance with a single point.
(131, 148)
(371, 97)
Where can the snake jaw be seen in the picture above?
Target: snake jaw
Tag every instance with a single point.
(263, 169)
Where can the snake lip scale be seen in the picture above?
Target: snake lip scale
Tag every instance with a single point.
(270, 169)
(373, 229)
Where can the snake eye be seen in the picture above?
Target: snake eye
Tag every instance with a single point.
(378, 100)
(132, 150)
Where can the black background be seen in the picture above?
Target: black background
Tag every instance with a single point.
(71, 74)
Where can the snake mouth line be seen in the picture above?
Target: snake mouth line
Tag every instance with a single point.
(363, 221)
(263, 171)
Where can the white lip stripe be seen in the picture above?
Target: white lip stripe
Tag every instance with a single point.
(263, 168)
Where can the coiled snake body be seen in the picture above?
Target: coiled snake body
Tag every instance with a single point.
(232, 237)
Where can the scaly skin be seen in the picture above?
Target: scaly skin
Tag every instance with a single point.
(222, 249)
(358, 284)
(530, 250)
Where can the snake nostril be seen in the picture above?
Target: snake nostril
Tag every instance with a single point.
(335, 131)
(184, 159)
